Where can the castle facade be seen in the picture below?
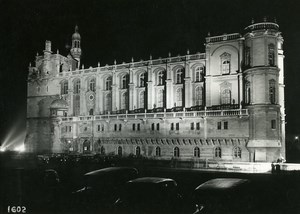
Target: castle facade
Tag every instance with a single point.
(224, 104)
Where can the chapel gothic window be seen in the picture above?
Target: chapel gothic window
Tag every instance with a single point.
(225, 63)
(108, 83)
(226, 96)
(77, 86)
(142, 80)
(64, 87)
(92, 84)
(271, 55)
(199, 74)
(272, 91)
(179, 75)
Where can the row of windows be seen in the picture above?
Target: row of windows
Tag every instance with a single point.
(66, 129)
(237, 152)
(172, 126)
(142, 78)
(271, 55)
(272, 92)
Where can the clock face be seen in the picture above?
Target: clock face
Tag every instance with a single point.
(91, 97)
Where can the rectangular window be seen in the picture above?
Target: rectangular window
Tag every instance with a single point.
(157, 126)
(273, 124)
(70, 128)
(66, 129)
(219, 125)
(192, 126)
(120, 127)
(98, 128)
(152, 126)
(225, 125)
(102, 128)
(133, 127)
(116, 127)
(172, 126)
(198, 126)
(177, 126)
(138, 127)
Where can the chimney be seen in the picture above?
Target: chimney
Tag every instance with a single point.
(48, 46)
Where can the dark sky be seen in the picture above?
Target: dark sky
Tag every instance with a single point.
(119, 29)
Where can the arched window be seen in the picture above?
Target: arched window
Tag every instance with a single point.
(91, 112)
(271, 55)
(218, 152)
(120, 151)
(176, 152)
(124, 100)
(248, 93)
(237, 152)
(198, 96)
(226, 96)
(64, 87)
(179, 75)
(160, 78)
(77, 86)
(197, 152)
(160, 98)
(272, 91)
(158, 151)
(179, 97)
(199, 74)
(108, 102)
(108, 83)
(225, 63)
(92, 84)
(142, 80)
(142, 99)
(124, 81)
(138, 151)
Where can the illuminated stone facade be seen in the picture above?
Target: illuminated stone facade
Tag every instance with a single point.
(224, 104)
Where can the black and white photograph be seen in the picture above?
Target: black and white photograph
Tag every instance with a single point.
(149, 107)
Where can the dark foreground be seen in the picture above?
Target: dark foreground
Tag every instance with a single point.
(24, 188)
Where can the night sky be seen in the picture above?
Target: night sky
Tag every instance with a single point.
(119, 29)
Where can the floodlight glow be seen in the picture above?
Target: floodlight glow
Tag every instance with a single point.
(2, 149)
(20, 148)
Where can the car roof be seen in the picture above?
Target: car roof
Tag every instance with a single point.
(154, 180)
(111, 170)
(222, 184)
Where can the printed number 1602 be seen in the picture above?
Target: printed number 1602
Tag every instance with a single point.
(16, 209)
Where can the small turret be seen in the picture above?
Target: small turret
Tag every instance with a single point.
(76, 49)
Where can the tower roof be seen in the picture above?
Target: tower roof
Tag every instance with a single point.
(76, 35)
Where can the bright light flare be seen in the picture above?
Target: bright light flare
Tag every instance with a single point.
(20, 148)
(2, 149)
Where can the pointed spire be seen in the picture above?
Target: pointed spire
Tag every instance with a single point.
(132, 60)
(188, 52)
(115, 62)
(98, 64)
(57, 51)
(76, 28)
(150, 57)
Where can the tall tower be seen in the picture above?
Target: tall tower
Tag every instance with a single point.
(264, 90)
(76, 47)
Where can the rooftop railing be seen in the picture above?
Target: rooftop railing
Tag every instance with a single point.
(223, 37)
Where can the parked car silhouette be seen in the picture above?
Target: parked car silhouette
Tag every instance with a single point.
(224, 195)
(102, 188)
(149, 195)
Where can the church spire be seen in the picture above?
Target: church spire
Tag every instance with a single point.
(76, 46)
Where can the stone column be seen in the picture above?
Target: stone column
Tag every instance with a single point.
(114, 96)
(187, 86)
(131, 90)
(169, 88)
(150, 92)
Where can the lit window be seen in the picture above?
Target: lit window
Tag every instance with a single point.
(226, 96)
(218, 152)
(176, 152)
(272, 91)
(237, 152)
(108, 83)
(271, 54)
(77, 87)
(158, 151)
(197, 152)
(138, 151)
(92, 84)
